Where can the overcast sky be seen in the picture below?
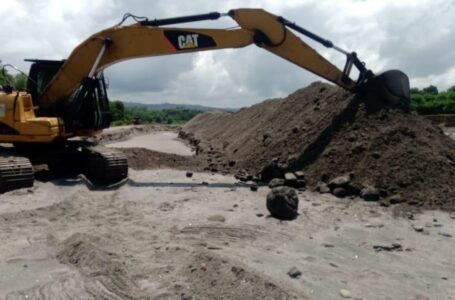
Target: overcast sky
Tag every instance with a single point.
(416, 36)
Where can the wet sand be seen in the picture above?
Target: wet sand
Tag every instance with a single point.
(163, 141)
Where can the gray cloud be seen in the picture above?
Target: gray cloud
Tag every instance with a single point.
(415, 36)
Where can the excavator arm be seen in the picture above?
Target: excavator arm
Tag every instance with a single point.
(146, 38)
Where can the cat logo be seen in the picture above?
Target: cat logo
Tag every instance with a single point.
(188, 41)
(179, 40)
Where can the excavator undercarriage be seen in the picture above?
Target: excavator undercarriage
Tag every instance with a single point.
(99, 165)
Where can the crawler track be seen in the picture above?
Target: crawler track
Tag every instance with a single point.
(15, 172)
(104, 165)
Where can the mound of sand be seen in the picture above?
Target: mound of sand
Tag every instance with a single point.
(328, 132)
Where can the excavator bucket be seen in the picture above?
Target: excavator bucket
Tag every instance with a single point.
(390, 88)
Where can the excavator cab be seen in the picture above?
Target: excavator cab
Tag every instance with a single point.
(41, 73)
(87, 107)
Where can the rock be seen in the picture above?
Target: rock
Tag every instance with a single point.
(340, 192)
(300, 175)
(396, 199)
(345, 293)
(272, 170)
(413, 202)
(295, 130)
(322, 187)
(369, 193)
(242, 178)
(189, 174)
(282, 203)
(301, 183)
(341, 186)
(417, 228)
(294, 272)
(231, 163)
(445, 234)
(340, 181)
(393, 247)
(254, 187)
(217, 218)
(275, 182)
(290, 180)
(290, 177)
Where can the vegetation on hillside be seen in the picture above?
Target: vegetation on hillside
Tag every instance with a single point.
(429, 101)
(122, 115)
(426, 101)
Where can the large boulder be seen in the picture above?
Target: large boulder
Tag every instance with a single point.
(283, 202)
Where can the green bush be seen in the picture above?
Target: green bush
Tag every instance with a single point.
(429, 101)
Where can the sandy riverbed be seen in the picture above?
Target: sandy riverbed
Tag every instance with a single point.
(162, 141)
(163, 236)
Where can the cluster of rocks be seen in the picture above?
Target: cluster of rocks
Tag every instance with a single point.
(275, 175)
(342, 187)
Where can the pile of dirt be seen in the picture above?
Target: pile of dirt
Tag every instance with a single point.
(397, 153)
(328, 132)
(278, 128)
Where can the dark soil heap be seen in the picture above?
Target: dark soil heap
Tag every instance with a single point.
(279, 128)
(327, 132)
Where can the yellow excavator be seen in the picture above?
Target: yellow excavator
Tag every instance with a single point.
(67, 99)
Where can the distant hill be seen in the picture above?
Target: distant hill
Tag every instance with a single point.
(163, 106)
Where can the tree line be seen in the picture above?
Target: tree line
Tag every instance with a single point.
(430, 101)
(122, 115)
